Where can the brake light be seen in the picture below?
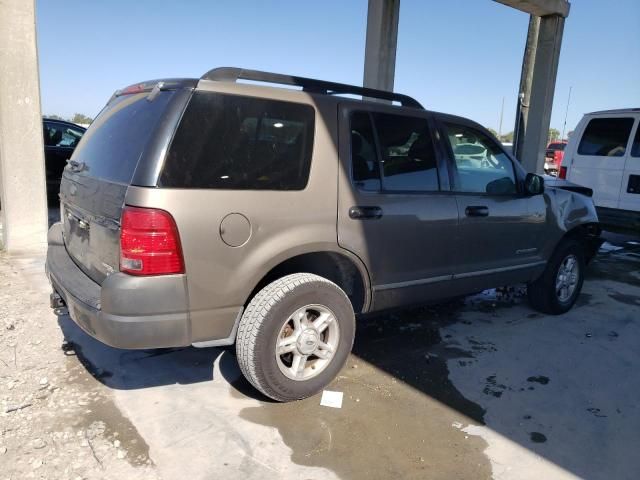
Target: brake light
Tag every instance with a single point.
(562, 173)
(132, 89)
(149, 242)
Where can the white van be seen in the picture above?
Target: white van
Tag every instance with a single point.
(604, 154)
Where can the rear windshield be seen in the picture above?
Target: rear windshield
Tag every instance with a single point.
(557, 146)
(244, 143)
(113, 144)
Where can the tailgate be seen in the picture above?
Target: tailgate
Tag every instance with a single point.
(95, 181)
(90, 212)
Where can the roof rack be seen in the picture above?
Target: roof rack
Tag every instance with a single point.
(233, 74)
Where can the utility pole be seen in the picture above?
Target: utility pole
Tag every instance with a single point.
(526, 78)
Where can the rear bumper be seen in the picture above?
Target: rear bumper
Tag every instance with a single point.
(619, 220)
(125, 311)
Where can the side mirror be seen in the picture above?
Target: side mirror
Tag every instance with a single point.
(533, 184)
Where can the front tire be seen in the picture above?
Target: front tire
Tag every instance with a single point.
(295, 336)
(558, 288)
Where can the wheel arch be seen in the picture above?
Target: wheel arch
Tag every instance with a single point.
(588, 235)
(342, 268)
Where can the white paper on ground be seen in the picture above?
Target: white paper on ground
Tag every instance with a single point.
(607, 247)
(331, 399)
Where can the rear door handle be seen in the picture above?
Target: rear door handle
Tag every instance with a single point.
(365, 213)
(477, 211)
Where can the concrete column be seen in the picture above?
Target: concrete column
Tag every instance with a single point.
(22, 174)
(524, 92)
(543, 84)
(382, 39)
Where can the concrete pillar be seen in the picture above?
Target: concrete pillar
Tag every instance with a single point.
(524, 92)
(22, 174)
(543, 84)
(382, 39)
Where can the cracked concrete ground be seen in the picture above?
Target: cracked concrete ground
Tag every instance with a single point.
(479, 388)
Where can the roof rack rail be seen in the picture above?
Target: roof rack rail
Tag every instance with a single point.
(233, 74)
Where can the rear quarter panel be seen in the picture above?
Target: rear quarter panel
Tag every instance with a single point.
(220, 278)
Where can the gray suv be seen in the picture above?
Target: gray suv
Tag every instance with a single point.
(209, 212)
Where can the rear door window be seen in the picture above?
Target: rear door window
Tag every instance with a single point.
(398, 157)
(407, 152)
(365, 168)
(243, 143)
(605, 137)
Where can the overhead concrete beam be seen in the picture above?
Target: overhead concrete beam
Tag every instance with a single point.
(543, 84)
(382, 39)
(22, 173)
(540, 8)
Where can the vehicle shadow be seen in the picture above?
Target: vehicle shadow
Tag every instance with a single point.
(488, 357)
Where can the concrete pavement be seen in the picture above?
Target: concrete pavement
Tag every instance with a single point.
(480, 388)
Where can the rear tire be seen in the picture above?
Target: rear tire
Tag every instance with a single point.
(559, 286)
(295, 336)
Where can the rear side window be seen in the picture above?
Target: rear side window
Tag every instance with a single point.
(242, 143)
(605, 137)
(113, 144)
(404, 149)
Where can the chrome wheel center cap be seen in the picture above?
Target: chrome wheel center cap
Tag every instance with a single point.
(308, 341)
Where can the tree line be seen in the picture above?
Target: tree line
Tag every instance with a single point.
(554, 135)
(78, 118)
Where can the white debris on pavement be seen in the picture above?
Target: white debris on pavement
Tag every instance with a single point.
(331, 399)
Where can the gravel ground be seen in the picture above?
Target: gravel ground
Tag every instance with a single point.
(56, 419)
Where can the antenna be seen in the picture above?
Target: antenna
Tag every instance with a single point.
(501, 115)
(566, 113)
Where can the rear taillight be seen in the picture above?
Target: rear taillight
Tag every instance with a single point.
(562, 173)
(149, 242)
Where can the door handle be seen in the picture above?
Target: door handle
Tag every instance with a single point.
(476, 211)
(365, 213)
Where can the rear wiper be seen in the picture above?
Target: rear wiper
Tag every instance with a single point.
(76, 166)
(155, 91)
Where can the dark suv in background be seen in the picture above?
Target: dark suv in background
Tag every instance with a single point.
(210, 212)
(60, 140)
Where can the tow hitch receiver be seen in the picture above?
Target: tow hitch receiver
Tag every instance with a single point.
(56, 301)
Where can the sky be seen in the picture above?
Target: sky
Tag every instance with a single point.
(456, 56)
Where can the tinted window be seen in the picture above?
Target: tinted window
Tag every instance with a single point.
(606, 137)
(482, 166)
(635, 149)
(61, 135)
(243, 143)
(364, 160)
(407, 152)
(557, 146)
(113, 144)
